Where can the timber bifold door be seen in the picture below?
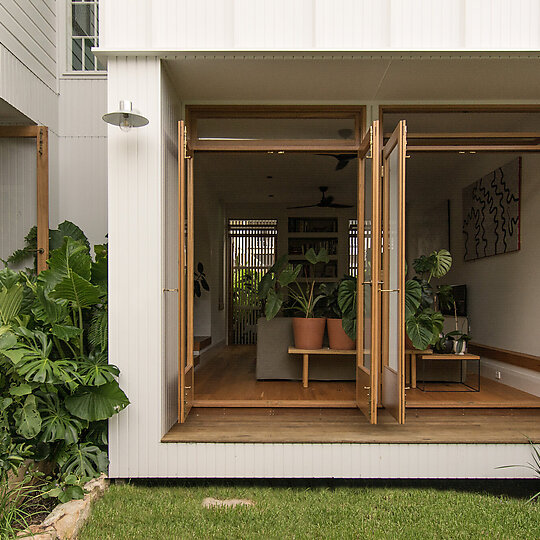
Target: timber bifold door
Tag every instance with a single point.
(185, 277)
(369, 251)
(392, 284)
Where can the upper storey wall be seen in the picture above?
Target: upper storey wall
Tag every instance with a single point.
(28, 32)
(320, 25)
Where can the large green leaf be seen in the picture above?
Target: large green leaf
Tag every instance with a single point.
(65, 332)
(97, 402)
(266, 283)
(420, 330)
(442, 262)
(48, 310)
(347, 297)
(66, 228)
(349, 326)
(8, 278)
(99, 267)
(77, 290)
(95, 371)
(315, 258)
(27, 418)
(83, 460)
(289, 274)
(72, 256)
(57, 423)
(273, 304)
(413, 295)
(10, 302)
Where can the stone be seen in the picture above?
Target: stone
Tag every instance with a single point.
(68, 518)
(210, 502)
(96, 487)
(38, 532)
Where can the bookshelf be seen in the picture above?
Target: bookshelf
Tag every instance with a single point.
(305, 233)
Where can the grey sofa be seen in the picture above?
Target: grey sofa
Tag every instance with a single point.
(274, 362)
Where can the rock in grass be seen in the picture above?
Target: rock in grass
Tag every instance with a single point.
(210, 502)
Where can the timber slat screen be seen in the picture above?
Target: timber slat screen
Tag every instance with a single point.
(353, 247)
(252, 251)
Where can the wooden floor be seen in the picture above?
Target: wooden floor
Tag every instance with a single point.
(282, 425)
(227, 379)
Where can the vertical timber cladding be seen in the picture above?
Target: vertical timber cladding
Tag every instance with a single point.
(252, 248)
(41, 134)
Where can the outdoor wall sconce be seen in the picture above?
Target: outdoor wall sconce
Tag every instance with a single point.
(126, 117)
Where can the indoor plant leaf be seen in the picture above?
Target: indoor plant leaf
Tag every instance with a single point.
(273, 304)
(442, 262)
(98, 331)
(66, 228)
(48, 310)
(347, 297)
(100, 266)
(413, 295)
(20, 390)
(289, 274)
(65, 332)
(97, 402)
(420, 331)
(27, 418)
(349, 326)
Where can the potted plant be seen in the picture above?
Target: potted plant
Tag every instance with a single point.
(337, 337)
(423, 320)
(281, 283)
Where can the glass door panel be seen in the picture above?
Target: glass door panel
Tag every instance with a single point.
(393, 274)
(368, 310)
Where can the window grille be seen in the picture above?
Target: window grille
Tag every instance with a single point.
(353, 247)
(252, 252)
(84, 35)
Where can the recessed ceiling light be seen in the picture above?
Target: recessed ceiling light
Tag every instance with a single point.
(471, 152)
(281, 151)
(461, 151)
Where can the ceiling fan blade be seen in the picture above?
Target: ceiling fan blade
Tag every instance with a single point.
(336, 205)
(341, 164)
(304, 206)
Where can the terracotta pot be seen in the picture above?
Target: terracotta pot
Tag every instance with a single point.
(338, 338)
(308, 332)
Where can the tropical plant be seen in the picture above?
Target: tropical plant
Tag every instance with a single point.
(423, 320)
(56, 385)
(199, 281)
(281, 282)
(347, 305)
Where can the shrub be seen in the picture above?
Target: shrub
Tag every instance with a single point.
(57, 388)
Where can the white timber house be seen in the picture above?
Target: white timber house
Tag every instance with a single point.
(390, 110)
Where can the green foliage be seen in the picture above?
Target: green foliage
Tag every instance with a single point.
(281, 281)
(347, 304)
(57, 388)
(423, 321)
(199, 281)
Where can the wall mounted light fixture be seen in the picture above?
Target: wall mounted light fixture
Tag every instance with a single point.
(126, 117)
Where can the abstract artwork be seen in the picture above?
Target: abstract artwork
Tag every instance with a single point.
(491, 208)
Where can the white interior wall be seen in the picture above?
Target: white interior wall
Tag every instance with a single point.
(503, 292)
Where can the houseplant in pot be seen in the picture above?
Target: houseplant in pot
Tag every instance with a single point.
(337, 337)
(280, 284)
(423, 320)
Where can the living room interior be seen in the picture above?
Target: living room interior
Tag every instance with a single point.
(245, 200)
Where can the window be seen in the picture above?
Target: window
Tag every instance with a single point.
(84, 35)
(353, 247)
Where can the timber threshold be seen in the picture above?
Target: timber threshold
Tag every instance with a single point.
(281, 425)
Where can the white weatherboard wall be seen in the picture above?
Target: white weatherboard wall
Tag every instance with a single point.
(320, 25)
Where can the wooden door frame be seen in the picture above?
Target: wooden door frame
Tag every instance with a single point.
(193, 112)
(355, 112)
(41, 134)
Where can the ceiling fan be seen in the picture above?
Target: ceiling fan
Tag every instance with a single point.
(325, 202)
(342, 159)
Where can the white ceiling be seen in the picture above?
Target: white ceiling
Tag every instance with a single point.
(345, 78)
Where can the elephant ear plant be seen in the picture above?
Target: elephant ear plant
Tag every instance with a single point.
(280, 282)
(423, 321)
(57, 389)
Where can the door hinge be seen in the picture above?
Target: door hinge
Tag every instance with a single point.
(382, 171)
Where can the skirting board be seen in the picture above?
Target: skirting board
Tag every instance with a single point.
(518, 377)
(293, 460)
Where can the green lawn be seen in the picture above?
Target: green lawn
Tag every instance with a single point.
(375, 510)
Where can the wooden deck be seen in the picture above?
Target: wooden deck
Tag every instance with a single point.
(226, 378)
(281, 425)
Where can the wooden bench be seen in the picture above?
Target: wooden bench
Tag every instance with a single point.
(307, 352)
(412, 354)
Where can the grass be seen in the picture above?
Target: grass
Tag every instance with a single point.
(298, 510)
